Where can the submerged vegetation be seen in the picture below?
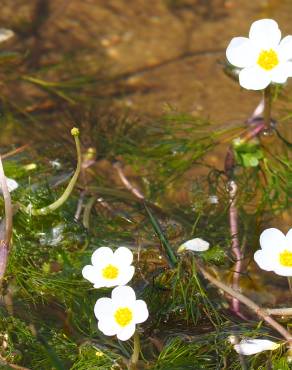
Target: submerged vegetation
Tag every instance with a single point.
(150, 186)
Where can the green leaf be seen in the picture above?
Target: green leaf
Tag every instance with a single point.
(214, 255)
(172, 260)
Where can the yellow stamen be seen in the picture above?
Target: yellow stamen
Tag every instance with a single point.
(268, 59)
(286, 258)
(110, 272)
(123, 316)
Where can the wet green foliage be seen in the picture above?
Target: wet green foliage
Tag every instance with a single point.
(46, 317)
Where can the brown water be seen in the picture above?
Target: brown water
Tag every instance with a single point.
(145, 55)
(166, 51)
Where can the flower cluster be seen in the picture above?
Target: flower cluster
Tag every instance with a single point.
(119, 314)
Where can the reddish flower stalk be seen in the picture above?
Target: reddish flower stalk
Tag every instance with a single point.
(235, 247)
(257, 125)
(127, 183)
(261, 312)
(5, 229)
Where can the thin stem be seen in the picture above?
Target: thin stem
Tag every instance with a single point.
(235, 248)
(126, 182)
(12, 366)
(267, 106)
(285, 311)
(262, 313)
(136, 352)
(7, 205)
(59, 202)
(87, 211)
(290, 283)
(5, 232)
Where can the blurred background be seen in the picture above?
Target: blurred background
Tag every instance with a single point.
(142, 55)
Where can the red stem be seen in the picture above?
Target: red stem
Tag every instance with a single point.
(235, 248)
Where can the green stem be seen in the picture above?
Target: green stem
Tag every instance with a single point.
(59, 202)
(267, 106)
(87, 210)
(136, 351)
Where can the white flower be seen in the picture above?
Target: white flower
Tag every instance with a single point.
(11, 184)
(109, 268)
(263, 57)
(276, 252)
(195, 245)
(119, 314)
(5, 34)
(252, 346)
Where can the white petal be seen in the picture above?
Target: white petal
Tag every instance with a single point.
(11, 184)
(125, 276)
(264, 260)
(123, 255)
(289, 237)
(103, 308)
(108, 327)
(198, 245)
(265, 33)
(89, 273)
(100, 255)
(272, 239)
(283, 270)
(252, 346)
(123, 295)
(254, 78)
(280, 73)
(140, 311)
(241, 52)
(5, 34)
(107, 283)
(126, 332)
(285, 48)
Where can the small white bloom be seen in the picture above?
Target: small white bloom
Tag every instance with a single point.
(56, 164)
(11, 184)
(253, 346)
(109, 268)
(276, 252)
(213, 199)
(5, 34)
(263, 57)
(119, 314)
(195, 245)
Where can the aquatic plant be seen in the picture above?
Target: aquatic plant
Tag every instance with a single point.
(192, 262)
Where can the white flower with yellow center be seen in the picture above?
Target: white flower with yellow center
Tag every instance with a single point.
(110, 268)
(276, 252)
(263, 57)
(252, 346)
(119, 314)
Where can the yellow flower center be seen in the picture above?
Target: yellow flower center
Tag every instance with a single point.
(123, 316)
(110, 272)
(286, 258)
(268, 59)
